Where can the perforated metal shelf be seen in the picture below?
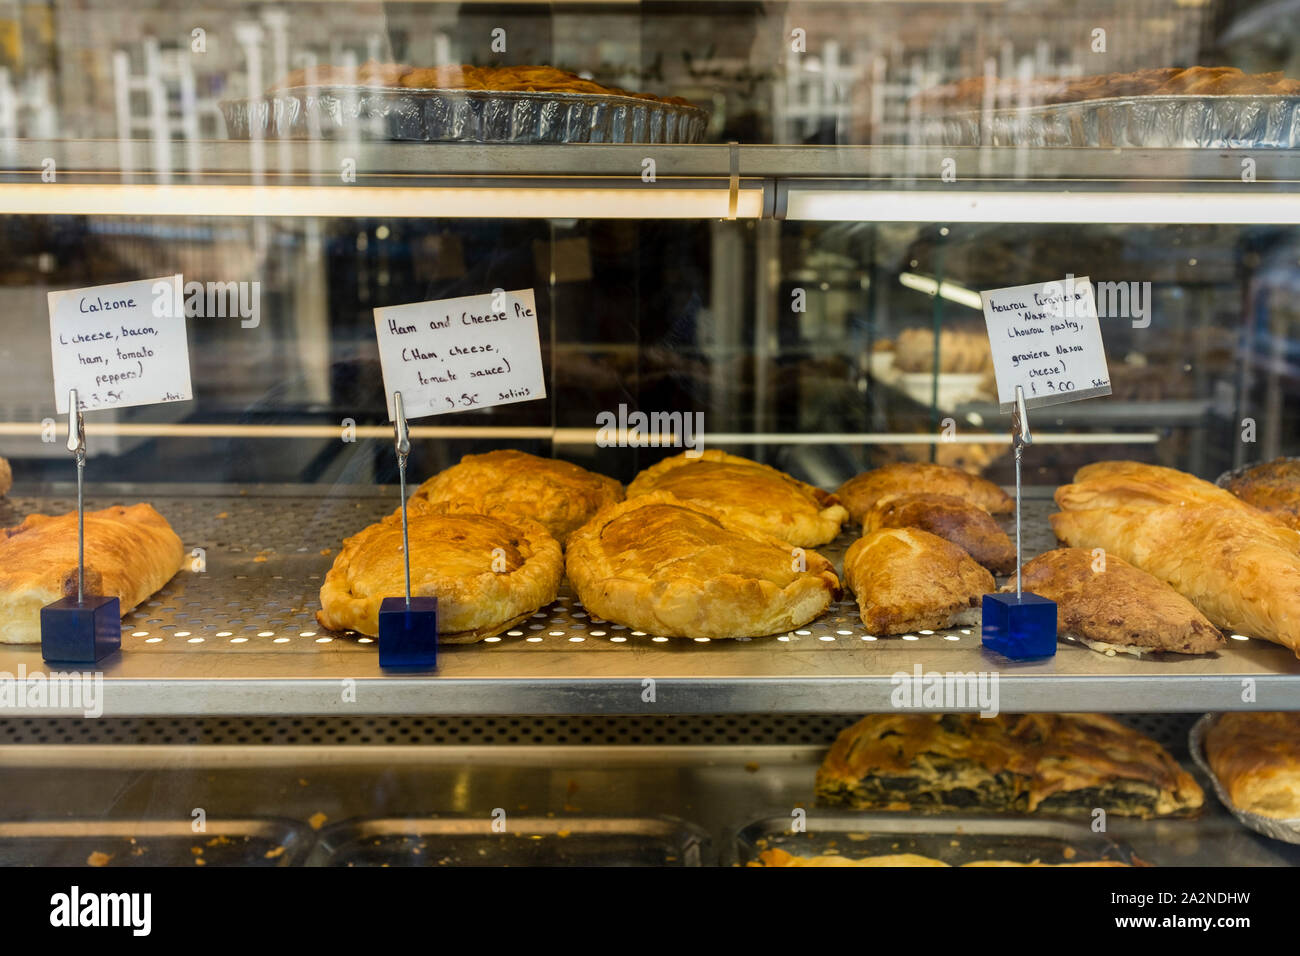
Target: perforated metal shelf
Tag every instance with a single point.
(236, 634)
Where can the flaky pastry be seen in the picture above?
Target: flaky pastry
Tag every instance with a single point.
(559, 495)
(1256, 757)
(748, 493)
(862, 493)
(488, 572)
(951, 518)
(131, 552)
(670, 567)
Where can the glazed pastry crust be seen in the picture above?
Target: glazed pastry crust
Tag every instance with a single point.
(6, 477)
(1121, 605)
(951, 518)
(1007, 762)
(863, 492)
(1132, 484)
(452, 555)
(757, 496)
(906, 579)
(1256, 757)
(1240, 569)
(1273, 487)
(131, 552)
(557, 494)
(670, 567)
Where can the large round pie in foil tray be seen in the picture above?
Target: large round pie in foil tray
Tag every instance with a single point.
(469, 116)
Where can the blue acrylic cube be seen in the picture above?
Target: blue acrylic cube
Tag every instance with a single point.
(84, 633)
(1019, 627)
(408, 637)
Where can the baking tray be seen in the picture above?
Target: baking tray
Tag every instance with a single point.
(472, 116)
(246, 842)
(1192, 122)
(1288, 831)
(953, 839)
(527, 841)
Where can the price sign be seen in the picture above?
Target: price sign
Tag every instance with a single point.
(120, 345)
(453, 355)
(1046, 339)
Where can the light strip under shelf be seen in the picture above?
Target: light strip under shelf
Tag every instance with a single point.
(572, 436)
(461, 202)
(961, 205)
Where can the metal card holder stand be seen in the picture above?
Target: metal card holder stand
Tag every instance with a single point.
(408, 627)
(87, 628)
(1020, 626)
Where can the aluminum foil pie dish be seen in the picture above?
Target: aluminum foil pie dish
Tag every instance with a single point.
(461, 116)
(1287, 831)
(1194, 122)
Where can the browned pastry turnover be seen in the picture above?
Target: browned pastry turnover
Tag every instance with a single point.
(671, 567)
(906, 579)
(559, 495)
(754, 495)
(1118, 609)
(1050, 763)
(131, 552)
(487, 572)
(951, 518)
(1256, 757)
(1273, 487)
(862, 493)
(779, 857)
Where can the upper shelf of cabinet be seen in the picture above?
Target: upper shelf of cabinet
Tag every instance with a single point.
(842, 183)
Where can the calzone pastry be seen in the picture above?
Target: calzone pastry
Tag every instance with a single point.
(488, 572)
(671, 567)
(1256, 757)
(864, 492)
(1273, 487)
(1050, 763)
(131, 552)
(748, 493)
(952, 519)
(906, 579)
(1118, 608)
(559, 495)
(1241, 570)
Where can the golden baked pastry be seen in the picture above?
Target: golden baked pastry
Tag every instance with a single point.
(756, 496)
(532, 79)
(6, 477)
(1256, 757)
(488, 572)
(670, 567)
(964, 524)
(1054, 763)
(1132, 484)
(1273, 487)
(906, 579)
(1121, 609)
(131, 552)
(862, 493)
(1240, 569)
(558, 495)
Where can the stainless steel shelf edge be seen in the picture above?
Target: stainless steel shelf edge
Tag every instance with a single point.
(622, 696)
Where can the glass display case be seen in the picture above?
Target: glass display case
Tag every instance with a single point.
(758, 229)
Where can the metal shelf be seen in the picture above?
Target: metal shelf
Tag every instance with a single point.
(884, 183)
(240, 638)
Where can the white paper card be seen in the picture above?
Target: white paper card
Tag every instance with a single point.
(120, 345)
(1046, 339)
(453, 355)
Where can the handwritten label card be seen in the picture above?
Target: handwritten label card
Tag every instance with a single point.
(119, 345)
(456, 354)
(1046, 339)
